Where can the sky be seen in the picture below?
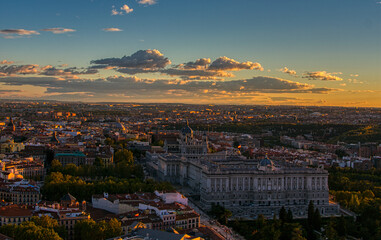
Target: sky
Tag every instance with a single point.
(320, 53)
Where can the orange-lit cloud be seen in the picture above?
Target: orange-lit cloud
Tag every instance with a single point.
(228, 64)
(112, 29)
(20, 32)
(125, 9)
(6, 62)
(135, 85)
(322, 75)
(58, 30)
(288, 71)
(47, 70)
(147, 2)
(19, 69)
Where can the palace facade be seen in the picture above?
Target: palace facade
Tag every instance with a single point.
(253, 186)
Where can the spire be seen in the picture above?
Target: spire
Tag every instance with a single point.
(54, 138)
(11, 126)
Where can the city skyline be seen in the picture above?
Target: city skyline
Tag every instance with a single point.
(324, 53)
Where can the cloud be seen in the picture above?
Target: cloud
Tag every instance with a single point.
(6, 62)
(225, 63)
(322, 90)
(322, 75)
(201, 63)
(203, 69)
(133, 71)
(355, 81)
(288, 71)
(196, 74)
(19, 69)
(7, 91)
(283, 99)
(58, 30)
(112, 29)
(10, 33)
(363, 91)
(46, 70)
(115, 12)
(147, 2)
(68, 72)
(152, 61)
(134, 86)
(140, 60)
(197, 70)
(125, 9)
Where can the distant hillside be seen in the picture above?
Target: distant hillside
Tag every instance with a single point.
(362, 134)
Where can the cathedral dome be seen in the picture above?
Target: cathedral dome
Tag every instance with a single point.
(266, 162)
(186, 130)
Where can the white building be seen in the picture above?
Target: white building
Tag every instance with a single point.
(237, 183)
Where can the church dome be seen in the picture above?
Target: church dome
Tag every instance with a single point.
(266, 162)
(186, 130)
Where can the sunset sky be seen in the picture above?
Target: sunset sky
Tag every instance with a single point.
(296, 52)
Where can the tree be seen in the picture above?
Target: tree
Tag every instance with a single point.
(341, 153)
(341, 226)
(261, 221)
(311, 211)
(98, 162)
(297, 234)
(85, 230)
(354, 203)
(310, 221)
(291, 231)
(220, 213)
(158, 143)
(317, 220)
(51, 223)
(368, 194)
(124, 155)
(109, 141)
(225, 216)
(113, 229)
(45, 221)
(9, 230)
(71, 169)
(29, 230)
(330, 231)
(345, 182)
(268, 232)
(283, 215)
(290, 216)
(89, 229)
(56, 166)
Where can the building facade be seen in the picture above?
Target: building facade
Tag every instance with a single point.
(77, 158)
(247, 185)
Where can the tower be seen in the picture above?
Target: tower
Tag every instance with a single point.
(10, 127)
